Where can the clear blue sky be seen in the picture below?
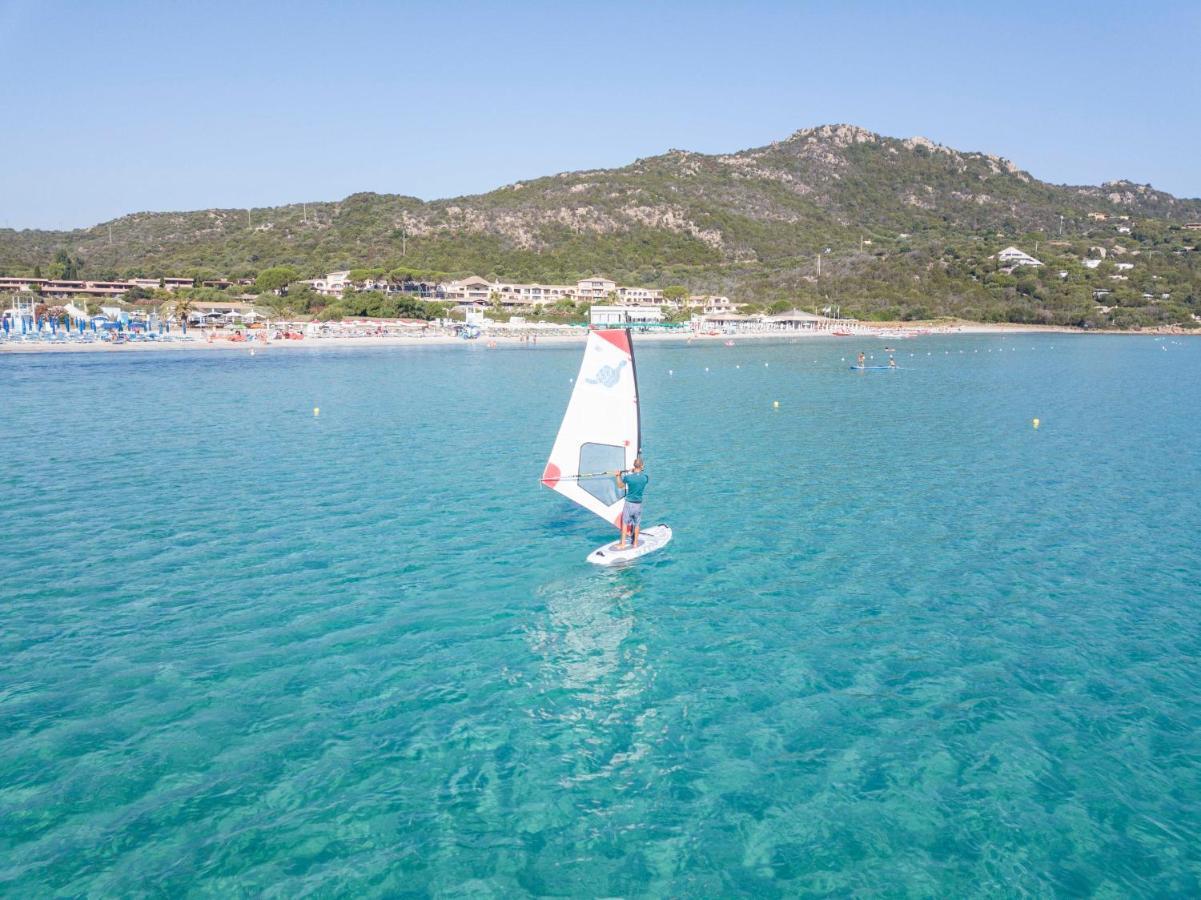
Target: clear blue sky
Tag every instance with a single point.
(116, 107)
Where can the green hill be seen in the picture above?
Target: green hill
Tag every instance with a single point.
(905, 228)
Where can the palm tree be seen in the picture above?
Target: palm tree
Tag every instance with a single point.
(181, 307)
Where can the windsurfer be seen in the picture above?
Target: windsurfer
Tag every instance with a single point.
(634, 484)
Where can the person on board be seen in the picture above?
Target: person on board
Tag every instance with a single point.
(634, 483)
(892, 362)
(862, 359)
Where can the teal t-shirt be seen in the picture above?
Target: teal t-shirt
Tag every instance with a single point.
(635, 483)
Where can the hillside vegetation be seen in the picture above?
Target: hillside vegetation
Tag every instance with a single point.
(904, 229)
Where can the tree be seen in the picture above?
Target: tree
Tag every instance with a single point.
(676, 293)
(181, 306)
(275, 279)
(64, 266)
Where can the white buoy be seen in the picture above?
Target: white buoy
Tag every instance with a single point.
(316, 411)
(671, 372)
(706, 368)
(765, 365)
(737, 367)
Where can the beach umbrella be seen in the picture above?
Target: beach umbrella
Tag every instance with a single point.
(6, 326)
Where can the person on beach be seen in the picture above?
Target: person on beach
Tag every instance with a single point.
(631, 514)
(862, 359)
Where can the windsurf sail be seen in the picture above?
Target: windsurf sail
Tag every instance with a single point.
(601, 431)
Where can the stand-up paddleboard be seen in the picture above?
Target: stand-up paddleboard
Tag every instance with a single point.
(602, 434)
(872, 368)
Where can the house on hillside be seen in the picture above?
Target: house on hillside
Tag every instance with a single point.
(472, 291)
(637, 296)
(595, 288)
(712, 304)
(332, 284)
(1012, 256)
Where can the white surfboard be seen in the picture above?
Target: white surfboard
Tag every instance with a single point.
(649, 540)
(601, 434)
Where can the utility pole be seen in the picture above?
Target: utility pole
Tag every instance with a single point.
(110, 235)
(819, 265)
(1061, 226)
(248, 225)
(306, 214)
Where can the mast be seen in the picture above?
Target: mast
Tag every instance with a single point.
(637, 399)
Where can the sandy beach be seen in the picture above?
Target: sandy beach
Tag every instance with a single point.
(882, 331)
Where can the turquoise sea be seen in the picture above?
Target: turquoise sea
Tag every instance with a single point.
(903, 643)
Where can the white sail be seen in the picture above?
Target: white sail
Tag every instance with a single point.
(600, 432)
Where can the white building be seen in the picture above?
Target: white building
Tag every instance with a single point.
(533, 294)
(636, 296)
(712, 304)
(625, 315)
(332, 284)
(1012, 256)
(1091, 263)
(799, 320)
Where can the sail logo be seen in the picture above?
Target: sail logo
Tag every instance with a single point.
(607, 376)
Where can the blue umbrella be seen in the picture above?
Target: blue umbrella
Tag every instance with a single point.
(6, 326)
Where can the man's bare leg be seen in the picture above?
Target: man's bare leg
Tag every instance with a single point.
(637, 528)
(624, 531)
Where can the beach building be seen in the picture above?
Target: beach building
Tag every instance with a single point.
(726, 321)
(1012, 256)
(799, 320)
(625, 315)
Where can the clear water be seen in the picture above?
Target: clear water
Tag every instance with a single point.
(902, 643)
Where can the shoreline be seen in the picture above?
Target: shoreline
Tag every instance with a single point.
(490, 341)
